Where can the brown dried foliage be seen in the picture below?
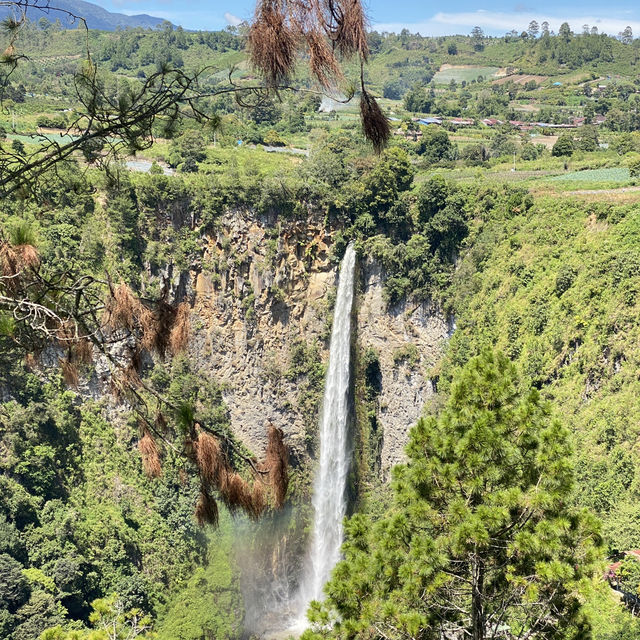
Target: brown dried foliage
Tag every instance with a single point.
(83, 351)
(29, 255)
(151, 327)
(322, 61)
(69, 373)
(277, 462)
(130, 376)
(206, 509)
(374, 123)
(124, 309)
(235, 493)
(280, 28)
(9, 261)
(239, 494)
(161, 422)
(179, 336)
(14, 259)
(210, 458)
(258, 503)
(321, 28)
(150, 455)
(351, 31)
(272, 42)
(65, 332)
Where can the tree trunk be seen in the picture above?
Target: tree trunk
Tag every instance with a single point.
(478, 627)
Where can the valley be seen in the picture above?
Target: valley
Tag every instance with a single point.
(170, 297)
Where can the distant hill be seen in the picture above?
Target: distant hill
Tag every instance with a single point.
(96, 16)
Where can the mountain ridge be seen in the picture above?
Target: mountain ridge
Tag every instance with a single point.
(97, 17)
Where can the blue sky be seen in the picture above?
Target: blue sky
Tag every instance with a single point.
(495, 17)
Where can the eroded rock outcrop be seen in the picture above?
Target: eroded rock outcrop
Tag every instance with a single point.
(262, 292)
(408, 339)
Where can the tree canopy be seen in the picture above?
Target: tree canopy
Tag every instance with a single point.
(482, 538)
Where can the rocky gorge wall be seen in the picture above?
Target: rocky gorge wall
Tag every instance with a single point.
(262, 303)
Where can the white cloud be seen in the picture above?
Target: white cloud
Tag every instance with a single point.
(234, 21)
(497, 23)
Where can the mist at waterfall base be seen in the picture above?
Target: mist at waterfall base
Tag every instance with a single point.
(279, 579)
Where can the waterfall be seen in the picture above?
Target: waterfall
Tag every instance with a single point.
(329, 500)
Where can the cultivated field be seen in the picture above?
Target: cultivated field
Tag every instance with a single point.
(467, 73)
(521, 79)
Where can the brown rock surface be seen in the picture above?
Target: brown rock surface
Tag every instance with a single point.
(259, 292)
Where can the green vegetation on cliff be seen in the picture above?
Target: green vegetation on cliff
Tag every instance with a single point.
(477, 220)
(557, 289)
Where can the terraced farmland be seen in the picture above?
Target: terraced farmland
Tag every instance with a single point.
(463, 72)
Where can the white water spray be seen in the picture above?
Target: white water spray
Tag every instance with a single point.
(329, 500)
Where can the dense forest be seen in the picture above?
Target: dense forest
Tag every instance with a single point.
(167, 288)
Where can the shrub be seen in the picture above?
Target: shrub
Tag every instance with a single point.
(634, 168)
(407, 353)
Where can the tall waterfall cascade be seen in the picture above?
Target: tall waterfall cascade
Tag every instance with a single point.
(329, 493)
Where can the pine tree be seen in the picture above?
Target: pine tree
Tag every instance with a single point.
(482, 541)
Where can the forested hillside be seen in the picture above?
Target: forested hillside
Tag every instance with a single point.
(166, 321)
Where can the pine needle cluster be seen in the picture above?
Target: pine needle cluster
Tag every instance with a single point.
(15, 259)
(160, 329)
(324, 32)
(219, 480)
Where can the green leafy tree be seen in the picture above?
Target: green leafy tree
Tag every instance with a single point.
(477, 38)
(564, 146)
(528, 151)
(18, 147)
(14, 588)
(435, 145)
(417, 100)
(626, 35)
(188, 149)
(111, 621)
(482, 541)
(272, 138)
(629, 575)
(109, 615)
(588, 138)
(623, 144)
(634, 168)
(565, 32)
(475, 154)
(392, 90)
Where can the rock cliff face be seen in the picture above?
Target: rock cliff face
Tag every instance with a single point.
(408, 340)
(263, 301)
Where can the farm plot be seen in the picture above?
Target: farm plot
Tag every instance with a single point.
(521, 79)
(617, 174)
(449, 72)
